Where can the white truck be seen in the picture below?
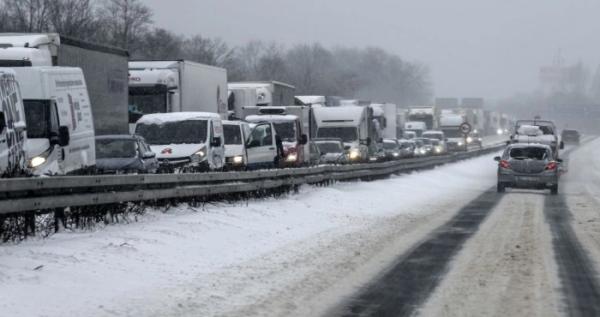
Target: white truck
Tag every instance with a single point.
(104, 67)
(13, 160)
(267, 94)
(450, 124)
(388, 119)
(348, 123)
(416, 127)
(427, 114)
(60, 123)
(175, 86)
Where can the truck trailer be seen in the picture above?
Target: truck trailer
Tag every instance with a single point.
(176, 86)
(266, 94)
(104, 68)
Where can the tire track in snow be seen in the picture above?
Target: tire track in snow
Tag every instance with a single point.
(409, 282)
(577, 274)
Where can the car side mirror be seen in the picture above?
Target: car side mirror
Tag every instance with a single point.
(368, 141)
(215, 142)
(149, 155)
(20, 126)
(347, 147)
(303, 139)
(497, 158)
(559, 160)
(507, 142)
(562, 145)
(63, 136)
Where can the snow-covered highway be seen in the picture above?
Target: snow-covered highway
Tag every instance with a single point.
(453, 245)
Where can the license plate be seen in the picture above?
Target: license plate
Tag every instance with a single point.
(527, 179)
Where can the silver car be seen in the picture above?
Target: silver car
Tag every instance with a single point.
(528, 166)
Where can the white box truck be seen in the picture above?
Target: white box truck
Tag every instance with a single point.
(267, 94)
(175, 86)
(60, 123)
(348, 123)
(13, 160)
(104, 67)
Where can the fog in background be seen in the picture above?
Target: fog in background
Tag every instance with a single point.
(481, 48)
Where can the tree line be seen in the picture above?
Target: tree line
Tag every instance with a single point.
(368, 73)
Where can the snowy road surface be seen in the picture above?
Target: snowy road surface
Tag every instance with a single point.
(433, 243)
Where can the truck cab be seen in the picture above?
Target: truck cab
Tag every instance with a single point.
(25, 50)
(60, 124)
(13, 161)
(348, 123)
(418, 127)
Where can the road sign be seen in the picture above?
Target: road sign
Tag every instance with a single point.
(465, 128)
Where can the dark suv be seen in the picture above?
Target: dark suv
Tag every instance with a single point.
(570, 136)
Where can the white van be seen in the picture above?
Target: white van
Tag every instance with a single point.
(60, 126)
(184, 141)
(13, 160)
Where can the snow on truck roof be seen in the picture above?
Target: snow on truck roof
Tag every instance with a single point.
(271, 118)
(161, 118)
(31, 39)
(310, 100)
(339, 116)
(257, 84)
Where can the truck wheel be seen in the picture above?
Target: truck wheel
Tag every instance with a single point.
(501, 188)
(554, 190)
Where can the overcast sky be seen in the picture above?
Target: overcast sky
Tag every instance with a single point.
(473, 47)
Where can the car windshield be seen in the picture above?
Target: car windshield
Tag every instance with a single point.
(347, 134)
(115, 148)
(233, 134)
(330, 147)
(390, 145)
(286, 130)
(425, 141)
(405, 145)
(532, 153)
(180, 132)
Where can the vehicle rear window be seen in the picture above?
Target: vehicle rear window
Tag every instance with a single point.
(532, 153)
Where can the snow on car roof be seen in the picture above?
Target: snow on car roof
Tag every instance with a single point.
(530, 130)
(161, 118)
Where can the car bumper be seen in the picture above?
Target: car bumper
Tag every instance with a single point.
(528, 180)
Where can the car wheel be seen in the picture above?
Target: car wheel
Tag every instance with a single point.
(501, 188)
(554, 190)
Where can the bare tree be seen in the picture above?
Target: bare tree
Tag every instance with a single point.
(126, 21)
(76, 18)
(170, 46)
(208, 51)
(271, 65)
(26, 15)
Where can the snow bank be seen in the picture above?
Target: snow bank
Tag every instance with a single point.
(138, 268)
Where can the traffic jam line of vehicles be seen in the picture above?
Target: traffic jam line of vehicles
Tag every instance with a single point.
(531, 159)
(62, 115)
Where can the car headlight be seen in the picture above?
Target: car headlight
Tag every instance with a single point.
(460, 143)
(500, 131)
(292, 157)
(354, 154)
(423, 151)
(469, 139)
(199, 155)
(396, 154)
(438, 149)
(37, 161)
(238, 159)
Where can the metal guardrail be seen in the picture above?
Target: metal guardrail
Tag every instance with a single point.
(31, 194)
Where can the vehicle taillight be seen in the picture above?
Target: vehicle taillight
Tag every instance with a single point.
(504, 164)
(551, 166)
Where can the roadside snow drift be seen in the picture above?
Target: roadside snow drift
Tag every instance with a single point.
(165, 261)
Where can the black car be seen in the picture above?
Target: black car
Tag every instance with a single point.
(116, 154)
(570, 136)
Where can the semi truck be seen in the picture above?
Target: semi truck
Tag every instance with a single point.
(351, 124)
(176, 86)
(427, 114)
(450, 124)
(268, 94)
(104, 68)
